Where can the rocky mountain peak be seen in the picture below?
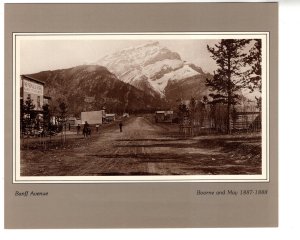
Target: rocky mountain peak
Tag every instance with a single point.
(149, 67)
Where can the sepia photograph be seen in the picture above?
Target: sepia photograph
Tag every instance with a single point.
(141, 116)
(141, 107)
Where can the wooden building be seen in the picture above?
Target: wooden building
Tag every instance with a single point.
(163, 116)
(34, 89)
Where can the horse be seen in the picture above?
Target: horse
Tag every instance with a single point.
(86, 131)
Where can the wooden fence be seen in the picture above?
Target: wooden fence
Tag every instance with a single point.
(214, 119)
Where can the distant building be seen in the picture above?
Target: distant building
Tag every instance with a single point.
(33, 88)
(110, 117)
(163, 116)
(92, 117)
(73, 121)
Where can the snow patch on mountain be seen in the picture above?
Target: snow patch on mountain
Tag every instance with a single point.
(181, 73)
(160, 84)
(161, 66)
(149, 62)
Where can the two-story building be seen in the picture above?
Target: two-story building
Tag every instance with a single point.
(33, 88)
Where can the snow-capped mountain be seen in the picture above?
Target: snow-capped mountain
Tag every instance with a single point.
(149, 67)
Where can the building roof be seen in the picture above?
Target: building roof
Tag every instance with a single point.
(33, 79)
(164, 112)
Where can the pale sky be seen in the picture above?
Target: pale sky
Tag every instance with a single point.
(42, 55)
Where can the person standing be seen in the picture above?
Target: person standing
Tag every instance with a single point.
(121, 126)
(97, 128)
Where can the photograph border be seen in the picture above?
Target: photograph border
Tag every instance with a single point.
(264, 177)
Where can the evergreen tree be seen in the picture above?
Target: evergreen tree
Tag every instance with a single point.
(29, 112)
(63, 109)
(192, 109)
(183, 111)
(252, 78)
(228, 78)
(46, 117)
(29, 106)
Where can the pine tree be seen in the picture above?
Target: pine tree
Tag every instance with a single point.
(192, 108)
(252, 78)
(29, 112)
(28, 106)
(183, 111)
(63, 109)
(228, 78)
(46, 117)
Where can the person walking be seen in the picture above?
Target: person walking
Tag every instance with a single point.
(86, 130)
(120, 125)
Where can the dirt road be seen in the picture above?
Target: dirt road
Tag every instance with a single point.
(144, 148)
